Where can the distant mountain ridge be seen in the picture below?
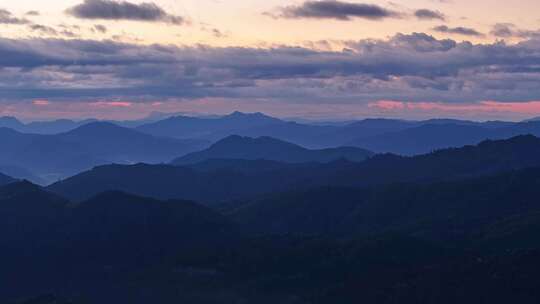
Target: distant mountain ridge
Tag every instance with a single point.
(267, 148)
(220, 180)
(191, 127)
(51, 157)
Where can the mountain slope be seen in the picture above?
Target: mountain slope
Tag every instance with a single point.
(4, 179)
(222, 180)
(49, 244)
(267, 148)
(447, 211)
(191, 127)
(119, 144)
(434, 135)
(52, 157)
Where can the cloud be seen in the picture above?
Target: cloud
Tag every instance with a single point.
(333, 9)
(414, 67)
(33, 13)
(509, 30)
(123, 10)
(426, 14)
(465, 31)
(43, 29)
(6, 17)
(41, 102)
(100, 28)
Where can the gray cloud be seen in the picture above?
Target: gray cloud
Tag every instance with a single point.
(43, 29)
(6, 17)
(100, 28)
(426, 14)
(333, 9)
(33, 13)
(509, 30)
(114, 10)
(415, 67)
(466, 31)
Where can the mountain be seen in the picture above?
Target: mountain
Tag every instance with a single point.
(434, 135)
(51, 244)
(425, 138)
(267, 148)
(123, 145)
(169, 182)
(52, 157)
(4, 179)
(42, 127)
(379, 135)
(485, 209)
(192, 127)
(222, 181)
(10, 122)
(21, 174)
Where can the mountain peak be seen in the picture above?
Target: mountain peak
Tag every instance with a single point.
(95, 128)
(256, 115)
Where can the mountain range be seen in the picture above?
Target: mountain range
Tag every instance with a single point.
(460, 221)
(377, 135)
(267, 148)
(220, 180)
(52, 157)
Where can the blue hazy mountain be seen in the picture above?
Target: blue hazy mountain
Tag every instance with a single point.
(267, 148)
(220, 182)
(51, 157)
(11, 123)
(5, 179)
(379, 135)
(425, 138)
(191, 127)
(42, 127)
(21, 174)
(434, 136)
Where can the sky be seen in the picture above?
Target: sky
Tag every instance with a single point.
(325, 59)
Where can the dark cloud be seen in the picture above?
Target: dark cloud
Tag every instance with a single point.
(509, 30)
(333, 9)
(6, 17)
(43, 29)
(426, 14)
(460, 30)
(100, 28)
(114, 10)
(415, 67)
(33, 13)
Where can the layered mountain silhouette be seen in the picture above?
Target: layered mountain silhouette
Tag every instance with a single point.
(51, 244)
(271, 214)
(378, 135)
(267, 148)
(483, 208)
(42, 127)
(430, 136)
(192, 127)
(51, 157)
(221, 180)
(316, 243)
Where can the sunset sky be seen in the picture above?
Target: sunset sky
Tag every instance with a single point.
(325, 59)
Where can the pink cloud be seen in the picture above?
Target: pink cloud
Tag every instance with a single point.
(112, 104)
(40, 102)
(484, 108)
